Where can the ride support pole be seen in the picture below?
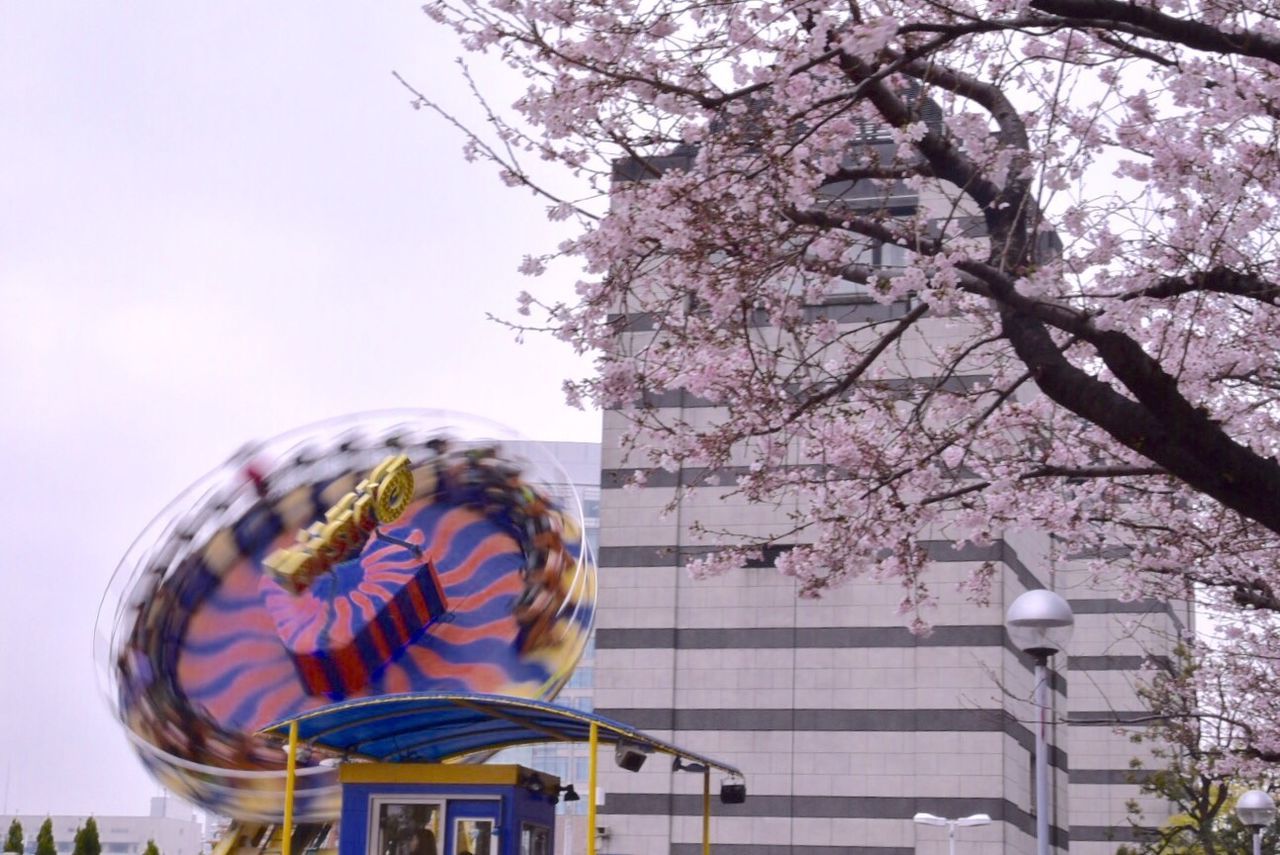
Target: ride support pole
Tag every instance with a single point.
(593, 743)
(286, 839)
(706, 811)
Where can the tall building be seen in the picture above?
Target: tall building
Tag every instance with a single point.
(845, 724)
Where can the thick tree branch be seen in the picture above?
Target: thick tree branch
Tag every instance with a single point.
(1158, 25)
(1161, 426)
(1219, 280)
(947, 162)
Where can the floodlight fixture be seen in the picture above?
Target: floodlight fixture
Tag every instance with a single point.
(732, 793)
(629, 757)
(533, 782)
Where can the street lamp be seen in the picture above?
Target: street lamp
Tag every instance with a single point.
(951, 824)
(1256, 810)
(1040, 624)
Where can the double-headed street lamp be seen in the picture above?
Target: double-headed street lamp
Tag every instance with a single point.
(1256, 810)
(951, 824)
(1040, 623)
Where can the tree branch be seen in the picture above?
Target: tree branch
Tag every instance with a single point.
(1162, 27)
(858, 370)
(1219, 280)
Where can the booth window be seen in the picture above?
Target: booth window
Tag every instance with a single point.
(405, 827)
(473, 837)
(535, 839)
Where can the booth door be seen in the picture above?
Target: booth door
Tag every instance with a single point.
(472, 827)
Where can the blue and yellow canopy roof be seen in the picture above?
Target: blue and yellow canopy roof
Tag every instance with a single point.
(436, 727)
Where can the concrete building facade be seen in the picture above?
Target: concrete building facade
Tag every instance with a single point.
(846, 724)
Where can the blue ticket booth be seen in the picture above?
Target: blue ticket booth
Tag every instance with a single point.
(446, 809)
(403, 793)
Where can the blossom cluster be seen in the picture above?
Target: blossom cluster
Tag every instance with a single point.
(962, 266)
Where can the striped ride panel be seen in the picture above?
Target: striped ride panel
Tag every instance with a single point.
(347, 626)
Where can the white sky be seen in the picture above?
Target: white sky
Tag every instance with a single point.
(218, 221)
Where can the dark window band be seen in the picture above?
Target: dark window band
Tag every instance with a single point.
(939, 550)
(1110, 777)
(837, 720)
(826, 807)
(813, 638)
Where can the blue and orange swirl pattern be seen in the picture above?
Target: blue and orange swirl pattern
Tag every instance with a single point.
(345, 627)
(209, 652)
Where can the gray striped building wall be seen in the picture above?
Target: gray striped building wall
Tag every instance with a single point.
(846, 724)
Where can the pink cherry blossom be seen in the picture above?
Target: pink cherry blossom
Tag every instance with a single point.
(1065, 211)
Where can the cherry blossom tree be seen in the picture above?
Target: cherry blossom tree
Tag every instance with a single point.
(967, 266)
(1196, 740)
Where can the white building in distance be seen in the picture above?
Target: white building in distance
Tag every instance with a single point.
(171, 824)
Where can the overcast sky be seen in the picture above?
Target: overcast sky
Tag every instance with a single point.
(218, 221)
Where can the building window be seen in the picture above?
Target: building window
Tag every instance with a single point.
(890, 255)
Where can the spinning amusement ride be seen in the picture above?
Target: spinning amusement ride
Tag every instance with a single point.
(361, 557)
(382, 594)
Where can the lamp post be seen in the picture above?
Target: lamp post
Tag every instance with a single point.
(1256, 810)
(1040, 624)
(951, 824)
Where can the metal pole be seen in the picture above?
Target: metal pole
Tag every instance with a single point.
(593, 742)
(951, 838)
(1042, 755)
(1257, 842)
(290, 775)
(706, 812)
